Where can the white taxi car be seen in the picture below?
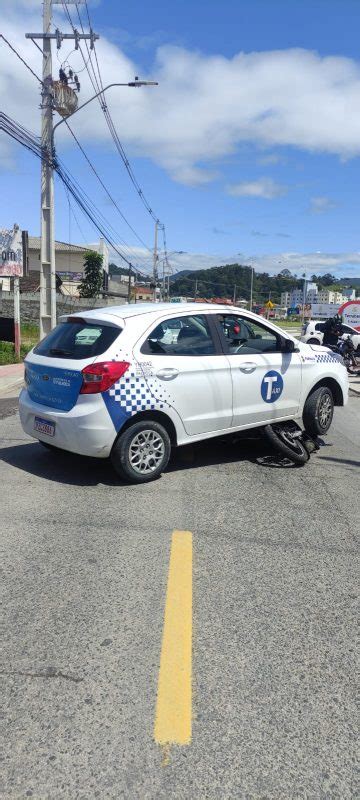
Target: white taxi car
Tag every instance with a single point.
(313, 333)
(131, 381)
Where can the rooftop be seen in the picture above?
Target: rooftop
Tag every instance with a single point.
(34, 244)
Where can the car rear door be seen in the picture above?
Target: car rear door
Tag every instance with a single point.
(266, 380)
(187, 372)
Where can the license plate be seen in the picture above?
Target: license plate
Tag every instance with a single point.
(44, 426)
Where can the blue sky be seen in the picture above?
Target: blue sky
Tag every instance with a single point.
(254, 154)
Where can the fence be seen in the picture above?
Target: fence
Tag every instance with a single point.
(30, 305)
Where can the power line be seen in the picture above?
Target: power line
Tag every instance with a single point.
(33, 143)
(98, 87)
(21, 58)
(106, 189)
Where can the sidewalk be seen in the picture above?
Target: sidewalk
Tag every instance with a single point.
(11, 380)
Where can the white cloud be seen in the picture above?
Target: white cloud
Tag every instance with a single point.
(204, 106)
(341, 264)
(264, 187)
(318, 205)
(344, 264)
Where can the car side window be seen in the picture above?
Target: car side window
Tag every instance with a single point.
(319, 326)
(246, 337)
(180, 336)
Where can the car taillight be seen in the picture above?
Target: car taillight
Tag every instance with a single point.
(99, 377)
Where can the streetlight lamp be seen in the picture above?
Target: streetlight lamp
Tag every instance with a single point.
(132, 84)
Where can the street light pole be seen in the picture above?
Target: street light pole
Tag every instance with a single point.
(251, 287)
(155, 260)
(304, 298)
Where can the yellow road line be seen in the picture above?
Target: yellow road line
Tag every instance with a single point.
(173, 707)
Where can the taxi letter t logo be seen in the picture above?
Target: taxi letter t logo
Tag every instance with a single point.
(270, 379)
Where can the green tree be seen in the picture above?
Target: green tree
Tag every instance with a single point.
(92, 281)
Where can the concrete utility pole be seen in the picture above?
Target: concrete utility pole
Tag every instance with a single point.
(47, 249)
(155, 260)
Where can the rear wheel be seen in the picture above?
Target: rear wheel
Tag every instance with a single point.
(313, 341)
(142, 452)
(318, 411)
(285, 439)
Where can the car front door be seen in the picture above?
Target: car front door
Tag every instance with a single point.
(186, 369)
(266, 380)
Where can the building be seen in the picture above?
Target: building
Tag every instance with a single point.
(118, 286)
(312, 293)
(296, 298)
(285, 300)
(330, 297)
(143, 294)
(69, 262)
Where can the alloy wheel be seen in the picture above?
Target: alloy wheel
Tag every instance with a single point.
(146, 451)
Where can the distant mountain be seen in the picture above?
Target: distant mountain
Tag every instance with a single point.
(236, 278)
(182, 274)
(229, 279)
(350, 282)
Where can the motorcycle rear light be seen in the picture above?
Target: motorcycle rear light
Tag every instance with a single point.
(100, 377)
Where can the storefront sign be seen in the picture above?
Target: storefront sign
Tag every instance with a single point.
(11, 252)
(350, 313)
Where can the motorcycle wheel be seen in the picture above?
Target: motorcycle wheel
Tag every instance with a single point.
(281, 436)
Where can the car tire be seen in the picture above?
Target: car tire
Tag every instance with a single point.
(142, 452)
(313, 341)
(318, 411)
(279, 435)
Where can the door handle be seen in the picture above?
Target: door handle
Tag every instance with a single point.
(248, 367)
(167, 374)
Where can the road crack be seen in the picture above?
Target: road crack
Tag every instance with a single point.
(50, 672)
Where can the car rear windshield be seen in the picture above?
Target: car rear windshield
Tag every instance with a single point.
(77, 339)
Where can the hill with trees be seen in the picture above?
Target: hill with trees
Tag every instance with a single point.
(224, 281)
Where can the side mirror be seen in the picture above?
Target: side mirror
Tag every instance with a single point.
(288, 346)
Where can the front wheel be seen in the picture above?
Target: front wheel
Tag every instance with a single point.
(285, 438)
(142, 452)
(318, 411)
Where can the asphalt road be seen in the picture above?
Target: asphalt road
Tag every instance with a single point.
(274, 588)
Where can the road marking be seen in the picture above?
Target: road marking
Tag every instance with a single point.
(174, 697)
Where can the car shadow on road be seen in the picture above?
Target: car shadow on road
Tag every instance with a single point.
(75, 470)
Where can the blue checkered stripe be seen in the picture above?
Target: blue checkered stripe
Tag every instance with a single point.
(134, 395)
(329, 357)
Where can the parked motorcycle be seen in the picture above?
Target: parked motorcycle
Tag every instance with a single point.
(345, 348)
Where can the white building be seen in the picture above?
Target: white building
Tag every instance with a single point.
(69, 261)
(285, 300)
(312, 293)
(331, 297)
